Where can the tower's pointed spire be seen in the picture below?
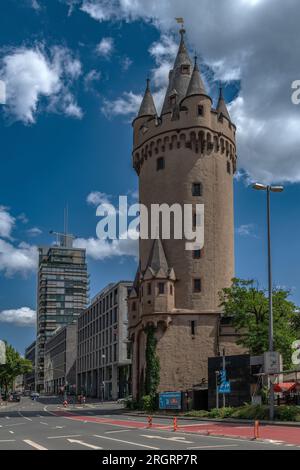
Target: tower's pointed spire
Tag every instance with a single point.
(147, 107)
(196, 85)
(179, 77)
(222, 108)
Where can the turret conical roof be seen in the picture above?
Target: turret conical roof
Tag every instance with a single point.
(196, 85)
(147, 107)
(179, 77)
(222, 108)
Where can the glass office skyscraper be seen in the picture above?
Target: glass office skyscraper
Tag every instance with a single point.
(62, 293)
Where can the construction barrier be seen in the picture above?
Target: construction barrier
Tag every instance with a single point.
(175, 427)
(256, 430)
(149, 421)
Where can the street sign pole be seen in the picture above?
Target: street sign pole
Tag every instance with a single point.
(217, 389)
(224, 368)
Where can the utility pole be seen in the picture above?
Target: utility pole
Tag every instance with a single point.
(217, 388)
(269, 189)
(224, 370)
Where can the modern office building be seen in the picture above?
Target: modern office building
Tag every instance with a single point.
(103, 360)
(62, 293)
(29, 378)
(60, 360)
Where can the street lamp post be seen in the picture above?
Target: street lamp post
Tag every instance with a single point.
(269, 189)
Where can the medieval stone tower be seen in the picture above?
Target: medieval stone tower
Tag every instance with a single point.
(187, 155)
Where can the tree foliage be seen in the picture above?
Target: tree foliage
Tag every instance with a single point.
(15, 365)
(152, 363)
(248, 307)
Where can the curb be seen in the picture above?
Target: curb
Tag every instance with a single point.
(216, 420)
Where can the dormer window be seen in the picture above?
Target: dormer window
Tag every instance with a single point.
(185, 69)
(144, 129)
(172, 100)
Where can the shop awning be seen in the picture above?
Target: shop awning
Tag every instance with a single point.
(285, 387)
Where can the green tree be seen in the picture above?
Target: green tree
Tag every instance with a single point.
(248, 307)
(15, 365)
(152, 363)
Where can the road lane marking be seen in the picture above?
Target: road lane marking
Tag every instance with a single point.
(119, 430)
(34, 444)
(46, 424)
(172, 439)
(11, 432)
(8, 440)
(25, 417)
(91, 446)
(65, 437)
(212, 447)
(126, 442)
(7, 417)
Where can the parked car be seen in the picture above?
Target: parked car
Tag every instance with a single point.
(15, 397)
(34, 395)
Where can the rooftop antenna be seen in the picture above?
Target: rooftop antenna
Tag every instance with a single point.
(64, 239)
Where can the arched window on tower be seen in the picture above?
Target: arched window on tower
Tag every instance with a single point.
(229, 168)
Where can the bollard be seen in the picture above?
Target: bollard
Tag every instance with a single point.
(149, 421)
(256, 430)
(175, 424)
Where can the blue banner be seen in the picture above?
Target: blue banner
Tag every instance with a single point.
(170, 401)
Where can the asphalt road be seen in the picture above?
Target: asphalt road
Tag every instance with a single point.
(44, 425)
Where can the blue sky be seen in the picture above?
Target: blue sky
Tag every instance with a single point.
(75, 72)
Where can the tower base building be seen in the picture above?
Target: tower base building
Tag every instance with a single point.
(187, 155)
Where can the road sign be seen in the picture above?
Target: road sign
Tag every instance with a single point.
(225, 387)
(272, 362)
(170, 401)
(2, 352)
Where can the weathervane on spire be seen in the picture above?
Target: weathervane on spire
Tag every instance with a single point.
(180, 21)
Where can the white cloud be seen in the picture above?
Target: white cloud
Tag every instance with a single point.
(22, 258)
(102, 249)
(240, 39)
(23, 316)
(126, 63)
(96, 197)
(246, 230)
(35, 5)
(90, 78)
(105, 47)
(127, 104)
(33, 75)
(34, 232)
(7, 222)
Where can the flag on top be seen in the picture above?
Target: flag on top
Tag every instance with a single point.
(179, 20)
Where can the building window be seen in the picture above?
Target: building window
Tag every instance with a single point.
(185, 69)
(197, 254)
(171, 289)
(134, 306)
(160, 163)
(197, 189)
(173, 100)
(161, 287)
(197, 285)
(149, 289)
(193, 328)
(200, 110)
(228, 168)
